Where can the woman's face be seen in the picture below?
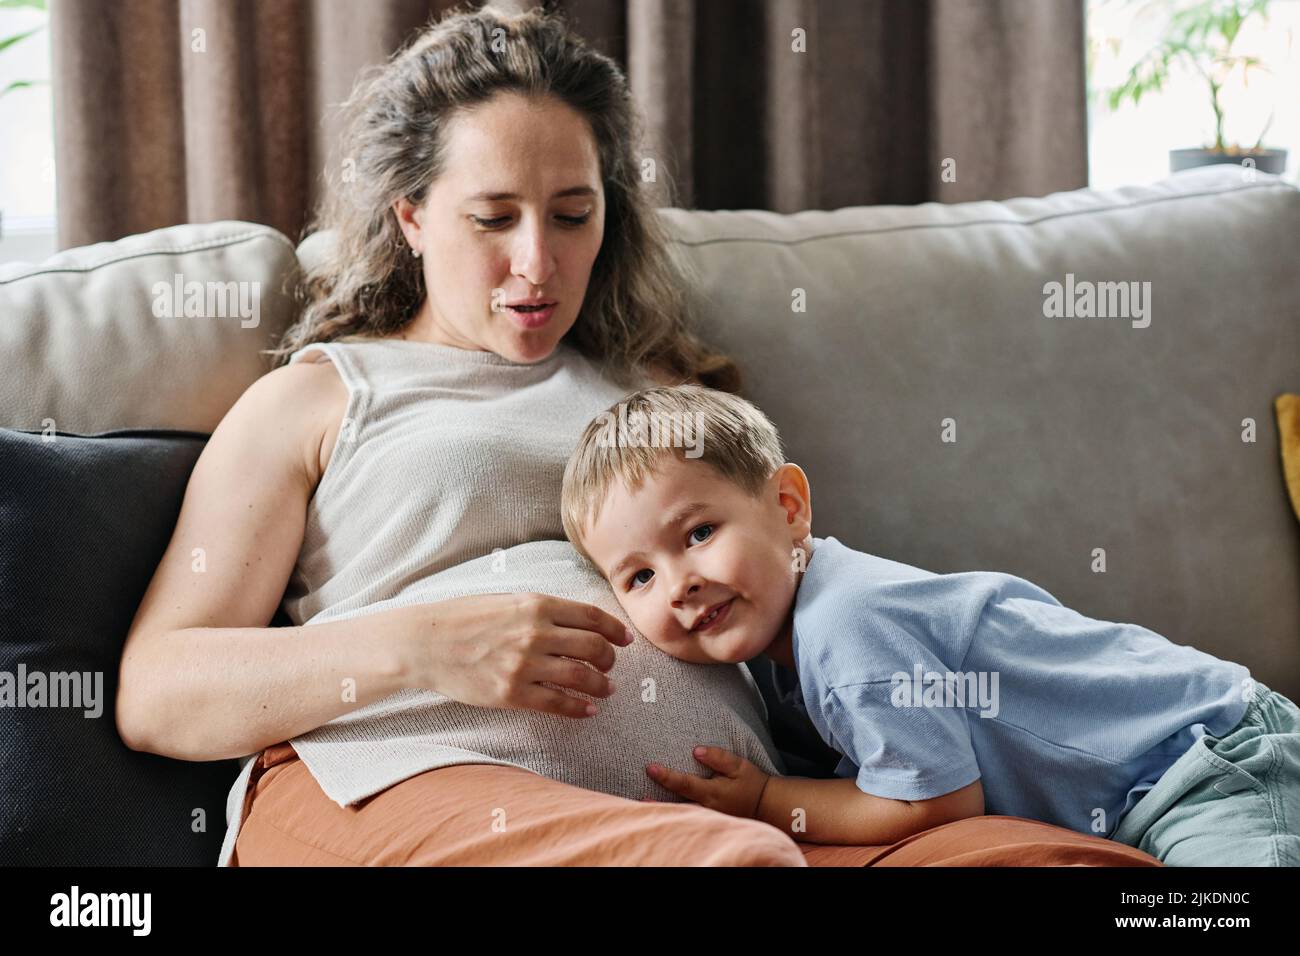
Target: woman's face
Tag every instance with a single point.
(519, 214)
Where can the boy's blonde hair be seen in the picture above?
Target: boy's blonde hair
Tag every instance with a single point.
(692, 422)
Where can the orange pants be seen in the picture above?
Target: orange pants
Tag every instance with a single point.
(491, 815)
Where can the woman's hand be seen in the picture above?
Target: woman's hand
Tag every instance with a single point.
(494, 650)
(736, 786)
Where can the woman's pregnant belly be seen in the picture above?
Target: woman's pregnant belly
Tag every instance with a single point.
(661, 707)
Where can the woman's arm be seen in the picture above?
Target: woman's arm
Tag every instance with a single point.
(202, 676)
(837, 812)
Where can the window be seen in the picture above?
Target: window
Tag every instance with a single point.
(28, 226)
(1131, 144)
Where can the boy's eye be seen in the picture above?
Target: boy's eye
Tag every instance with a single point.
(633, 580)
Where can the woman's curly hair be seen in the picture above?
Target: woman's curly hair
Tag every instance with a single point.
(634, 315)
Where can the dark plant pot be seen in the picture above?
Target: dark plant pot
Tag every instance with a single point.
(1265, 160)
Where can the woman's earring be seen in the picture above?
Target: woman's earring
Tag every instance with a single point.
(415, 252)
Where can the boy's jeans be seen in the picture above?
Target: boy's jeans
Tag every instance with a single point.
(1228, 801)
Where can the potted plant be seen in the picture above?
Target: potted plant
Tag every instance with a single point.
(1201, 36)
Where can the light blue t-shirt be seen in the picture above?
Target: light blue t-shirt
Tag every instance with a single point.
(926, 682)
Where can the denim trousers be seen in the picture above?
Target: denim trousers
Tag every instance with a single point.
(1231, 800)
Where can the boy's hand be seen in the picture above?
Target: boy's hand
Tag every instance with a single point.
(735, 788)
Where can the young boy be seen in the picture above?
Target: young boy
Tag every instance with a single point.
(948, 695)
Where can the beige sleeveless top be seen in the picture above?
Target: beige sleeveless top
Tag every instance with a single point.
(445, 481)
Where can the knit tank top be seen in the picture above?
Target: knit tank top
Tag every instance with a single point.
(445, 481)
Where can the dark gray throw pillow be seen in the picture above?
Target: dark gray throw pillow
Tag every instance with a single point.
(84, 521)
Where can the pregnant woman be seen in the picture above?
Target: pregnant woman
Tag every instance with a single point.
(459, 686)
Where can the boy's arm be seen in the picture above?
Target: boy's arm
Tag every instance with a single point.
(837, 812)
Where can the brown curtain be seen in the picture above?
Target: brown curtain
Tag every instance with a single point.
(170, 111)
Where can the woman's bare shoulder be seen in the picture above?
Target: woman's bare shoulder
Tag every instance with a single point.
(313, 380)
(308, 400)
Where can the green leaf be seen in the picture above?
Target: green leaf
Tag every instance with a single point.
(22, 84)
(7, 42)
(34, 4)
(1230, 26)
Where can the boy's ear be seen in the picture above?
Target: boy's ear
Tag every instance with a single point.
(795, 496)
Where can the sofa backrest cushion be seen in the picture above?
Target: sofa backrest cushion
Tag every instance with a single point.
(157, 330)
(871, 335)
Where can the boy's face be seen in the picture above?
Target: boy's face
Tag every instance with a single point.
(670, 565)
